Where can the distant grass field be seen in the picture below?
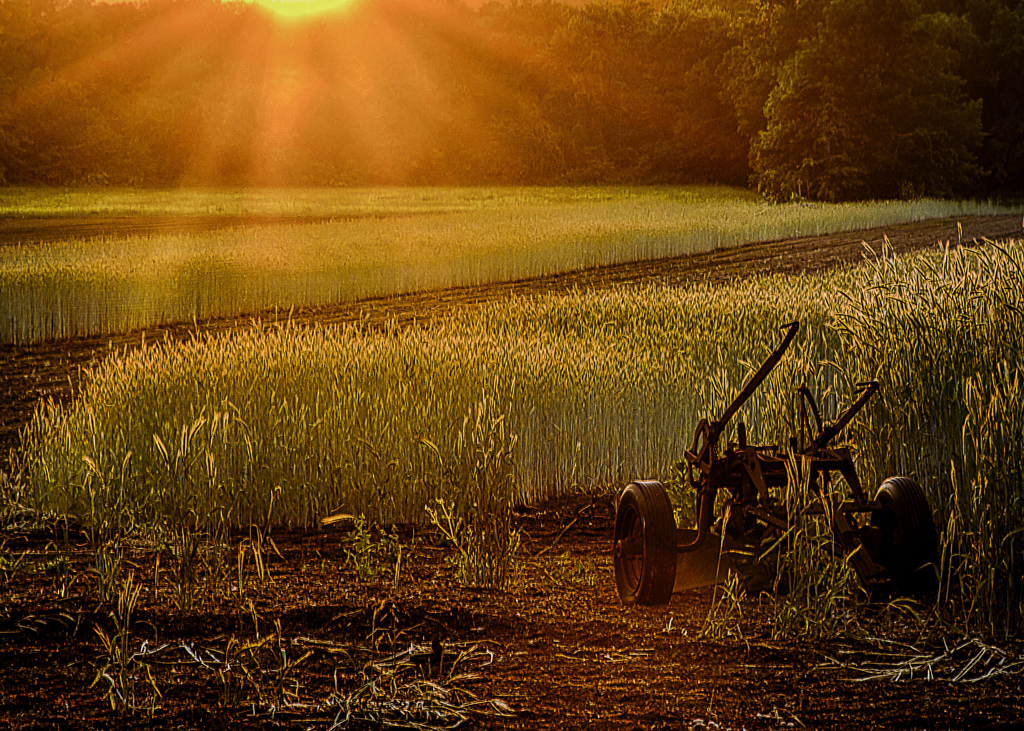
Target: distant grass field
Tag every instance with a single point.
(381, 241)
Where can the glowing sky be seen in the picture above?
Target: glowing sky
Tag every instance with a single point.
(304, 8)
(378, 90)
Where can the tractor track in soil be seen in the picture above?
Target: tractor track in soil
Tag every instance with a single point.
(566, 653)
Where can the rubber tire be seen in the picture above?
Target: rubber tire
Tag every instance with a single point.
(909, 545)
(644, 512)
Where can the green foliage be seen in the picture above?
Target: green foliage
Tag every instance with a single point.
(682, 495)
(993, 67)
(517, 93)
(127, 688)
(813, 589)
(574, 571)
(369, 555)
(725, 614)
(869, 106)
(766, 39)
(360, 556)
(108, 558)
(185, 549)
(9, 563)
(537, 92)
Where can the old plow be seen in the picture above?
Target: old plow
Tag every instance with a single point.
(889, 539)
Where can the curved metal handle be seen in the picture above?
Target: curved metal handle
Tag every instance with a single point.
(711, 432)
(755, 381)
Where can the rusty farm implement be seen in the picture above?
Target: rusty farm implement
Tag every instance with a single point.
(889, 539)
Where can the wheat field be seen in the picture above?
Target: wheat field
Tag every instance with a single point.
(280, 425)
(344, 245)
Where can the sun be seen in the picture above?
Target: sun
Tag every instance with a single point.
(304, 8)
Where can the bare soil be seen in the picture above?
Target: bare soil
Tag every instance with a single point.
(557, 651)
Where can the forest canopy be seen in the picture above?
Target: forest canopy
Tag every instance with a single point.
(816, 99)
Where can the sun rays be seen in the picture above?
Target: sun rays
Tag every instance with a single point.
(378, 92)
(265, 94)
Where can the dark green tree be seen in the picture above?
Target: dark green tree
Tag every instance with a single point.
(870, 106)
(994, 69)
(767, 34)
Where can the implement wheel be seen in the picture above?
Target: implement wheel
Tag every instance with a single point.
(909, 545)
(645, 544)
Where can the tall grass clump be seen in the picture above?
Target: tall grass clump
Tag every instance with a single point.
(945, 333)
(474, 506)
(812, 585)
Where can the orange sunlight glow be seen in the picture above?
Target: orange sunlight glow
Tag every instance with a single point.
(304, 8)
(379, 85)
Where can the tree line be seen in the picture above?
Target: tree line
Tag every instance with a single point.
(816, 99)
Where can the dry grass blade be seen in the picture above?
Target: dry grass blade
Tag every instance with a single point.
(422, 687)
(337, 518)
(971, 661)
(419, 688)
